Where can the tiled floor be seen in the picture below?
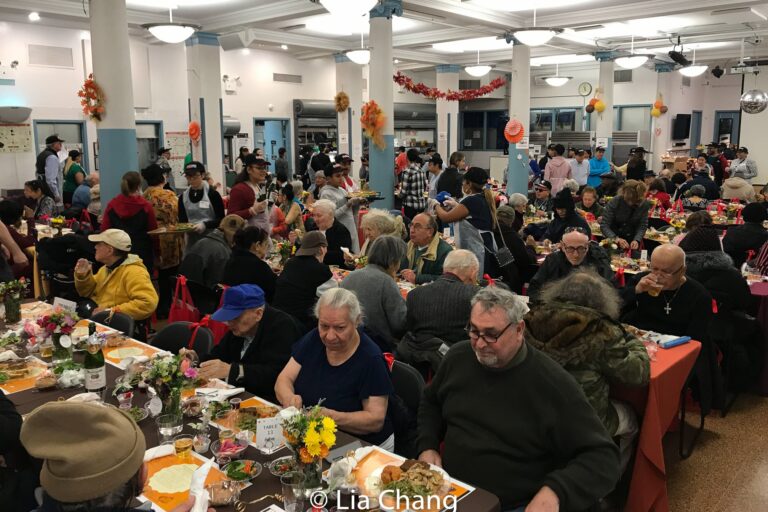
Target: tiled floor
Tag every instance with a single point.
(728, 470)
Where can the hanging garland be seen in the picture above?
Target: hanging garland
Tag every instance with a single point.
(341, 102)
(436, 94)
(373, 121)
(92, 99)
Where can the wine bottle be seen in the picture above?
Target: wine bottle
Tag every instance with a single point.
(95, 370)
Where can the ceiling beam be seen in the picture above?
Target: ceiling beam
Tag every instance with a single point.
(432, 36)
(462, 11)
(273, 12)
(75, 10)
(292, 39)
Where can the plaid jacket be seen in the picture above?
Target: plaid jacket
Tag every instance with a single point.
(413, 186)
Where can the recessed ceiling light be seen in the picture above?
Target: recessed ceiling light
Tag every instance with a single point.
(397, 61)
(33, 16)
(284, 46)
(245, 51)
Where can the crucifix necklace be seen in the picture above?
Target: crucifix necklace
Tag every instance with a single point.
(667, 307)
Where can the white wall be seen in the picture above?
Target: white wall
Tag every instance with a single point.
(754, 127)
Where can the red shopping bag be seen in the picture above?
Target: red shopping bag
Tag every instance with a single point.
(218, 329)
(182, 307)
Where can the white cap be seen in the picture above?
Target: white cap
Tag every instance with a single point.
(116, 238)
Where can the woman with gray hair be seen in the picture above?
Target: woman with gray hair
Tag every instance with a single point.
(339, 365)
(374, 224)
(576, 324)
(376, 287)
(337, 236)
(695, 199)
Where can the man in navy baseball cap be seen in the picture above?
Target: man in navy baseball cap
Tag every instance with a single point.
(258, 345)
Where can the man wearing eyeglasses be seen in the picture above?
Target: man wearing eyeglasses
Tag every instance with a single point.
(664, 300)
(533, 438)
(575, 252)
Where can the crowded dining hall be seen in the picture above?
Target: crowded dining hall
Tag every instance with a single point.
(328, 255)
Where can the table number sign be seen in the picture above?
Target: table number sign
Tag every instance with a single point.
(269, 435)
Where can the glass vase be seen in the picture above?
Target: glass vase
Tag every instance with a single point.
(60, 354)
(313, 474)
(12, 303)
(172, 402)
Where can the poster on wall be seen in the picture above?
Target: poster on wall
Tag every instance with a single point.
(178, 143)
(15, 138)
(242, 140)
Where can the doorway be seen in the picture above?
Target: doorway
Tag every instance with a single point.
(271, 134)
(695, 132)
(149, 138)
(73, 132)
(727, 126)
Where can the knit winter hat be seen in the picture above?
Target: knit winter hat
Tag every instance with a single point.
(564, 199)
(701, 239)
(88, 450)
(754, 212)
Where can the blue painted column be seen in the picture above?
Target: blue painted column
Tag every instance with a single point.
(382, 161)
(519, 108)
(116, 133)
(447, 111)
(204, 82)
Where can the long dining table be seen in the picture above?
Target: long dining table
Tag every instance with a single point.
(27, 400)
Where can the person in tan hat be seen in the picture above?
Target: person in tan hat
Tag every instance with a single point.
(93, 457)
(123, 283)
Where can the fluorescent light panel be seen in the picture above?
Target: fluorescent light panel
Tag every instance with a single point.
(561, 59)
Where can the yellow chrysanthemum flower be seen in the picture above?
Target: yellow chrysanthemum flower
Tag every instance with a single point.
(328, 438)
(311, 437)
(329, 425)
(314, 449)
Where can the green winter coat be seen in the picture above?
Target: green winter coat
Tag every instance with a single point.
(593, 348)
(429, 266)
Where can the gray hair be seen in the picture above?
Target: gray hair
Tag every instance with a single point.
(338, 298)
(697, 190)
(461, 260)
(380, 220)
(517, 199)
(325, 205)
(572, 185)
(387, 251)
(584, 288)
(298, 188)
(495, 297)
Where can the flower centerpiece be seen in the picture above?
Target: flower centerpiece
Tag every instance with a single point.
(732, 212)
(361, 262)
(285, 249)
(11, 293)
(609, 245)
(58, 326)
(168, 375)
(310, 435)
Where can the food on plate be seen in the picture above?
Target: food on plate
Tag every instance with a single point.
(240, 470)
(3, 378)
(138, 413)
(412, 478)
(46, 381)
(261, 411)
(281, 466)
(9, 339)
(193, 406)
(228, 447)
(68, 365)
(15, 369)
(215, 407)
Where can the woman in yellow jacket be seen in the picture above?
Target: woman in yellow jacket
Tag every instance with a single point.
(123, 283)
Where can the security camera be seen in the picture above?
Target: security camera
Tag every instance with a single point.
(718, 72)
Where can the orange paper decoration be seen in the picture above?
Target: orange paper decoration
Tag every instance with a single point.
(372, 121)
(194, 131)
(92, 99)
(514, 131)
(658, 104)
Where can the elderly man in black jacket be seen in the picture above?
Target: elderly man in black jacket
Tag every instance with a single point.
(750, 236)
(575, 252)
(258, 345)
(702, 178)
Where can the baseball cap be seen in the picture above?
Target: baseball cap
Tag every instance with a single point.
(252, 159)
(649, 173)
(580, 152)
(599, 149)
(163, 150)
(343, 157)
(476, 175)
(238, 299)
(552, 146)
(116, 238)
(311, 242)
(330, 170)
(193, 167)
(544, 184)
(742, 150)
(53, 138)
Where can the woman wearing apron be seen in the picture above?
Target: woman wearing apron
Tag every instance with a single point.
(474, 217)
(248, 198)
(200, 204)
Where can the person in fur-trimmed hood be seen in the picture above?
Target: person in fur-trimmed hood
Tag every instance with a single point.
(576, 324)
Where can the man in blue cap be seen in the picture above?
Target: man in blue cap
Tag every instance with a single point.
(257, 346)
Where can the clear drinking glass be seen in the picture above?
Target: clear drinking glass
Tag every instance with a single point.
(183, 446)
(168, 425)
(293, 492)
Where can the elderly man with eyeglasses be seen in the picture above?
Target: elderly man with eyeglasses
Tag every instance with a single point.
(576, 252)
(532, 437)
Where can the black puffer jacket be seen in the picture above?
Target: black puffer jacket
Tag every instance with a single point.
(715, 271)
(557, 266)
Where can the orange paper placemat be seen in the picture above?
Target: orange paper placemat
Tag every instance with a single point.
(228, 422)
(168, 501)
(129, 348)
(15, 385)
(378, 458)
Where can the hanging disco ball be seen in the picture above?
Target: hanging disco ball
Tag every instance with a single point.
(754, 101)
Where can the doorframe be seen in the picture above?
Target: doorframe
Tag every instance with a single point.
(694, 151)
(288, 136)
(83, 135)
(736, 131)
(160, 129)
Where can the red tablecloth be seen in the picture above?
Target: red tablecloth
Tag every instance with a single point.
(658, 403)
(760, 290)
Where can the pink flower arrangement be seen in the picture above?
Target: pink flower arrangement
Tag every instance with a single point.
(58, 322)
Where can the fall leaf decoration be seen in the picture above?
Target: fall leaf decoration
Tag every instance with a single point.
(341, 101)
(92, 99)
(372, 121)
(436, 94)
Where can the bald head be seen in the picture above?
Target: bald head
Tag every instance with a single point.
(575, 246)
(668, 266)
(575, 238)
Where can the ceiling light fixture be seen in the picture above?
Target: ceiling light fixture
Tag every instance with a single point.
(536, 36)
(33, 16)
(692, 69)
(245, 51)
(478, 70)
(284, 46)
(632, 60)
(557, 80)
(361, 56)
(171, 32)
(349, 8)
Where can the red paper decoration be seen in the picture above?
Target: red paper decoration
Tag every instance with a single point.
(436, 94)
(514, 131)
(92, 99)
(194, 131)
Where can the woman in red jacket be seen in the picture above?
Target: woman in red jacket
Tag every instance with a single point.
(135, 215)
(248, 198)
(657, 190)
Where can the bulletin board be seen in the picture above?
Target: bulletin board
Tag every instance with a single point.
(178, 143)
(16, 138)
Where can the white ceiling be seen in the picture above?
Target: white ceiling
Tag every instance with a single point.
(715, 26)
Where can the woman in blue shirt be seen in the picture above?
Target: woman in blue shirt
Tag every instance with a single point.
(339, 365)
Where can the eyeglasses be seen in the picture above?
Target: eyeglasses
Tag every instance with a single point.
(474, 334)
(666, 273)
(582, 249)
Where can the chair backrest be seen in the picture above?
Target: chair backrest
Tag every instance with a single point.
(120, 321)
(175, 336)
(408, 383)
(206, 299)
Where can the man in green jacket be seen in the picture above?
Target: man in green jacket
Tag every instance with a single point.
(423, 262)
